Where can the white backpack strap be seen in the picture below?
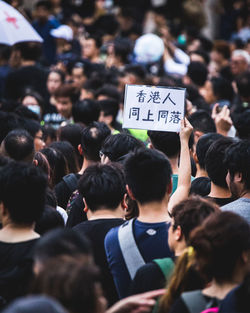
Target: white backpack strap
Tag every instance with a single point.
(131, 254)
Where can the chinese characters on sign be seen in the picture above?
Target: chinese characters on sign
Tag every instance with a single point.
(154, 108)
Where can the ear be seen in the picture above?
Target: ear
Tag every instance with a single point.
(238, 177)
(245, 256)
(195, 158)
(79, 147)
(178, 233)
(197, 135)
(170, 187)
(124, 202)
(86, 208)
(130, 193)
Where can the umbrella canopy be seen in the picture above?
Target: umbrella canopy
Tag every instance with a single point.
(14, 27)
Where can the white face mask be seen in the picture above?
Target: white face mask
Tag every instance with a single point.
(35, 108)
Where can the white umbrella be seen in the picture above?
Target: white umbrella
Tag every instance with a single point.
(14, 27)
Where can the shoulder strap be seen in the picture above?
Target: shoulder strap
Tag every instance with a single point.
(194, 301)
(131, 254)
(71, 181)
(166, 265)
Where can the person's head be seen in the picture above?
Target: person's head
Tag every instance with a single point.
(80, 291)
(108, 92)
(243, 82)
(217, 88)
(202, 124)
(200, 56)
(201, 186)
(197, 72)
(58, 242)
(102, 187)
(237, 163)
(35, 130)
(109, 110)
(86, 111)
(166, 142)
(185, 216)
(31, 304)
(57, 163)
(214, 161)
(33, 101)
(55, 80)
(240, 61)
(19, 146)
(91, 47)
(69, 154)
(78, 74)
(65, 97)
(203, 145)
(221, 52)
(43, 10)
(92, 138)
(49, 220)
(148, 176)
(222, 247)
(116, 147)
(22, 193)
(134, 74)
(242, 124)
(27, 51)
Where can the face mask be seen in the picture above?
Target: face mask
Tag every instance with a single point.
(35, 108)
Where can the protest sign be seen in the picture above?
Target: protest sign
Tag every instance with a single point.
(153, 108)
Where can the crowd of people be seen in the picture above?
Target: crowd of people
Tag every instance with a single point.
(97, 218)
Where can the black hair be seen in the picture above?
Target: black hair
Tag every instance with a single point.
(86, 111)
(148, 174)
(202, 121)
(22, 191)
(237, 160)
(137, 70)
(107, 24)
(203, 54)
(59, 72)
(61, 242)
(19, 145)
(49, 131)
(200, 186)
(109, 107)
(166, 142)
(242, 124)
(97, 39)
(243, 83)
(203, 145)
(110, 91)
(34, 94)
(122, 49)
(57, 163)
(102, 186)
(8, 122)
(45, 4)
(222, 88)
(23, 112)
(31, 126)
(5, 52)
(29, 50)
(197, 72)
(69, 154)
(116, 147)
(92, 138)
(214, 161)
(49, 220)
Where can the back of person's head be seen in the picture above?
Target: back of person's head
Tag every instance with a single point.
(92, 139)
(237, 160)
(201, 186)
(32, 127)
(241, 122)
(49, 220)
(223, 48)
(102, 186)
(148, 175)
(202, 121)
(57, 163)
(222, 88)
(77, 292)
(203, 145)
(108, 91)
(29, 51)
(243, 82)
(137, 70)
(70, 133)
(116, 147)
(8, 122)
(214, 161)
(69, 154)
(190, 213)
(22, 192)
(38, 304)
(86, 111)
(197, 72)
(219, 243)
(61, 241)
(19, 146)
(166, 142)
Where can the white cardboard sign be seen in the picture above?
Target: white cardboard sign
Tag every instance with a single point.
(153, 108)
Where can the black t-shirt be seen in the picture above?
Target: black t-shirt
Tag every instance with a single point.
(16, 260)
(33, 77)
(96, 231)
(148, 277)
(76, 214)
(221, 201)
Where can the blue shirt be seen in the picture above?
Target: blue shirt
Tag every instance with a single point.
(152, 242)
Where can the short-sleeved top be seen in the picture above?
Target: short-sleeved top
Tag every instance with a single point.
(16, 260)
(152, 242)
(240, 206)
